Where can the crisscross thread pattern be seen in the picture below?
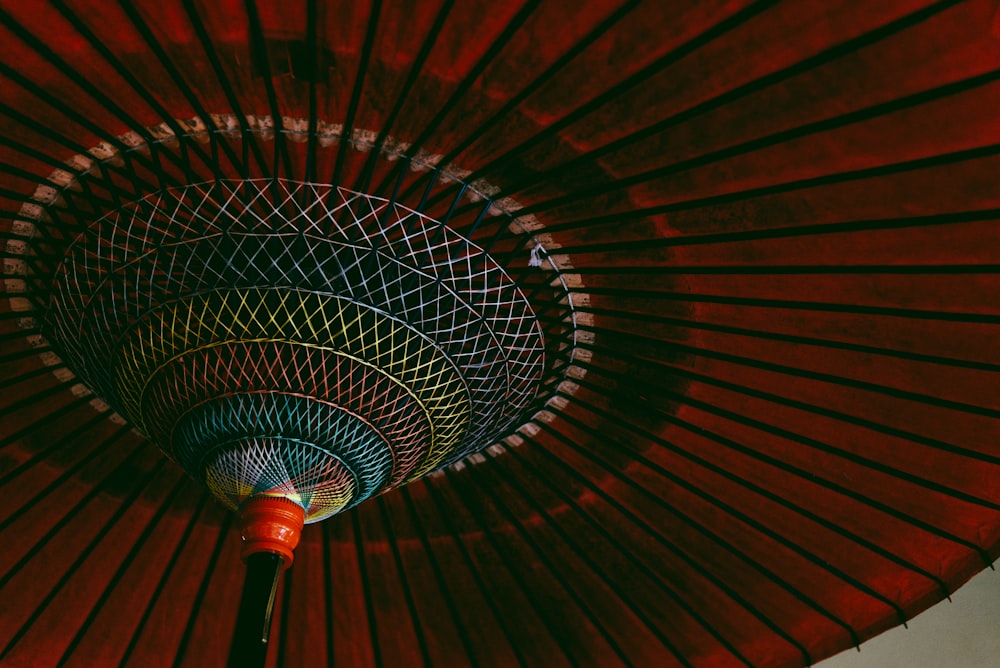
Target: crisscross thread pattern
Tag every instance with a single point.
(297, 339)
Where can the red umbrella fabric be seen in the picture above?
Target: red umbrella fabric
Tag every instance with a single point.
(773, 433)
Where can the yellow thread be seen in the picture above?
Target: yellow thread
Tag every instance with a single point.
(409, 358)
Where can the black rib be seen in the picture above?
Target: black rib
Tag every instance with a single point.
(418, 630)
(733, 511)
(328, 592)
(790, 505)
(871, 464)
(103, 167)
(193, 521)
(787, 232)
(788, 269)
(445, 513)
(97, 44)
(122, 569)
(227, 89)
(24, 174)
(512, 479)
(696, 564)
(258, 45)
(508, 108)
(44, 420)
(731, 22)
(841, 381)
(359, 545)
(35, 154)
(918, 314)
(453, 534)
(767, 141)
(65, 519)
(30, 373)
(364, 178)
(788, 338)
(123, 151)
(794, 403)
(124, 507)
(822, 58)
(210, 570)
(439, 577)
(66, 439)
(494, 50)
(147, 34)
(43, 130)
(78, 79)
(891, 169)
(312, 142)
(32, 399)
(515, 522)
(347, 133)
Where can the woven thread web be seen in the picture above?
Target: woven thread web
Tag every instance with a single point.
(326, 324)
(277, 314)
(313, 477)
(200, 395)
(359, 445)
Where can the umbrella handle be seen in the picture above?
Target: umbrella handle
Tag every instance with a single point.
(253, 623)
(270, 527)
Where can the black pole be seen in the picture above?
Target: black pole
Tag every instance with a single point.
(253, 624)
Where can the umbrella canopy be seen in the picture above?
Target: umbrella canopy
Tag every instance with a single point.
(749, 252)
